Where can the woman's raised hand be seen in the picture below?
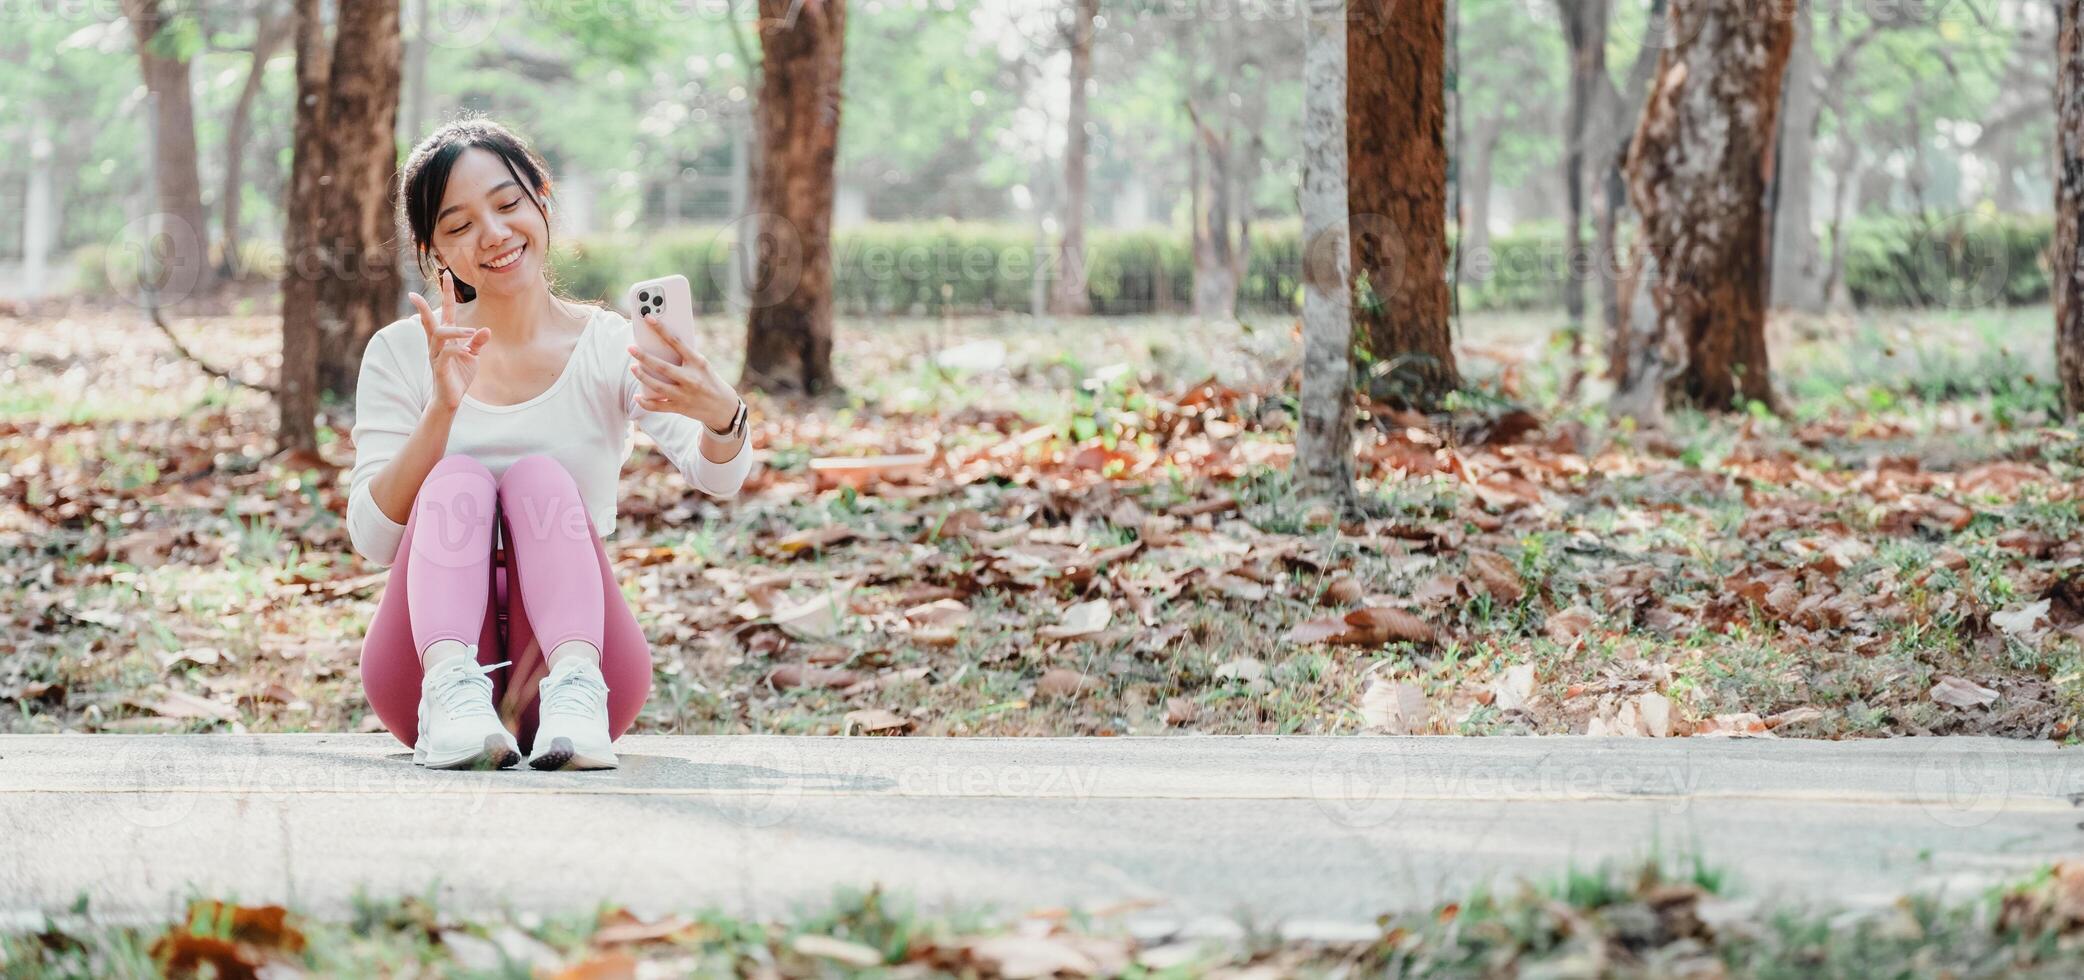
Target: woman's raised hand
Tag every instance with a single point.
(452, 351)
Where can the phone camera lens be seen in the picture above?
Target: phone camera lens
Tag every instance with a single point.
(646, 310)
(660, 303)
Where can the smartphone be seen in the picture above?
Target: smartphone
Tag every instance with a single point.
(670, 298)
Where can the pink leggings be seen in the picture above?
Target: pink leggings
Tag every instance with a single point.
(450, 584)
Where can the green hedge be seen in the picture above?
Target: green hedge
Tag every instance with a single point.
(1891, 261)
(932, 267)
(924, 268)
(1957, 261)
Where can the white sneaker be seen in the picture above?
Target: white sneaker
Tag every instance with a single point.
(572, 719)
(458, 727)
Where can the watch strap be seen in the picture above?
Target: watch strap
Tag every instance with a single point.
(737, 423)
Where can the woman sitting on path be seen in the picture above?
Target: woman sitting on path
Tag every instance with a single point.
(489, 440)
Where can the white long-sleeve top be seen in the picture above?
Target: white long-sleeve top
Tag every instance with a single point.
(582, 420)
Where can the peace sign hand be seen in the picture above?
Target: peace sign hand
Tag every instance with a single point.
(690, 388)
(452, 351)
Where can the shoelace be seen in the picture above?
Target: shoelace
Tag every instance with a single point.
(578, 692)
(465, 689)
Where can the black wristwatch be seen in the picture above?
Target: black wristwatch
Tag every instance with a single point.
(737, 424)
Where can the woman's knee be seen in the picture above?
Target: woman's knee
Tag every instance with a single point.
(455, 506)
(538, 470)
(540, 498)
(458, 477)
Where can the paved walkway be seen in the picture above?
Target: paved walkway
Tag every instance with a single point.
(1318, 833)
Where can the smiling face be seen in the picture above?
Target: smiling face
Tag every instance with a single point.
(488, 230)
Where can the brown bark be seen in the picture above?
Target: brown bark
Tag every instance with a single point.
(297, 391)
(176, 175)
(789, 328)
(2065, 261)
(1397, 197)
(1584, 35)
(356, 233)
(269, 34)
(1797, 263)
(1697, 177)
(1624, 110)
(1217, 265)
(1071, 298)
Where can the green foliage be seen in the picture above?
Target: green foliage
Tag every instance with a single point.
(934, 267)
(1971, 260)
(1892, 261)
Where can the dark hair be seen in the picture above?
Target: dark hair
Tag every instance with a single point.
(425, 178)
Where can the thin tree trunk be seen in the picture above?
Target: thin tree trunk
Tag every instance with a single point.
(1584, 31)
(416, 71)
(1324, 440)
(1624, 112)
(789, 329)
(360, 293)
(298, 386)
(1215, 271)
(39, 204)
(1851, 169)
(2067, 259)
(1798, 273)
(175, 170)
(1476, 185)
(270, 32)
(1697, 174)
(1396, 188)
(1071, 298)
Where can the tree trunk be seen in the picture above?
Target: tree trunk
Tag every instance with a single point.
(1324, 440)
(1476, 185)
(1396, 187)
(1851, 169)
(297, 390)
(39, 205)
(177, 180)
(1215, 271)
(269, 33)
(2067, 260)
(1071, 298)
(1624, 110)
(789, 328)
(1798, 270)
(1584, 34)
(356, 232)
(1696, 176)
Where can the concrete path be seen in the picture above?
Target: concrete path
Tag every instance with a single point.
(1318, 833)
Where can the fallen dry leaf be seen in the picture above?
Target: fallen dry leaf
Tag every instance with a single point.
(1394, 707)
(614, 965)
(1961, 693)
(620, 925)
(1368, 626)
(2020, 620)
(1081, 620)
(1568, 626)
(1497, 576)
(941, 613)
(1059, 682)
(876, 721)
(839, 950)
(789, 676)
(1514, 688)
